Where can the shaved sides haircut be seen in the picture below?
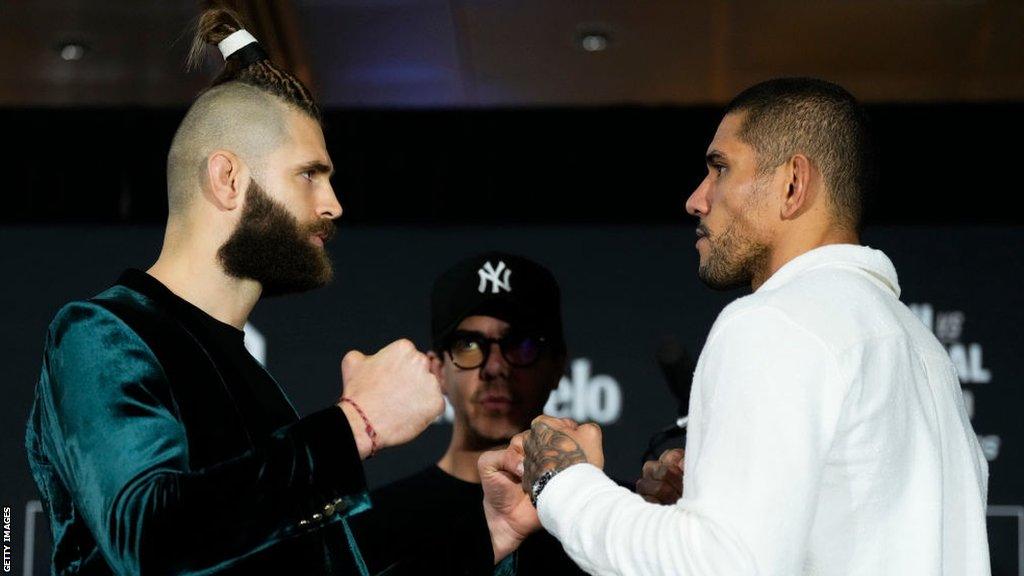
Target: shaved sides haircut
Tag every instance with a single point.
(820, 120)
(244, 110)
(232, 116)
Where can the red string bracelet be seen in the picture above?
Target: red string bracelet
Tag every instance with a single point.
(369, 427)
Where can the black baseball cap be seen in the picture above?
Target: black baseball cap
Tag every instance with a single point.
(501, 285)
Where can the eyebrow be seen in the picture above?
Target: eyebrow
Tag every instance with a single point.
(714, 156)
(317, 167)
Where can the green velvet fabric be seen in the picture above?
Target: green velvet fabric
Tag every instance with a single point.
(110, 443)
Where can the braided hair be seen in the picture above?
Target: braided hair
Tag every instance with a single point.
(243, 110)
(249, 65)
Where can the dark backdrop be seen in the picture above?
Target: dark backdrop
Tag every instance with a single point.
(626, 289)
(595, 193)
(940, 164)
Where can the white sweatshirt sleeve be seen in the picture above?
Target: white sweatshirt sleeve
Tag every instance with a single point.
(768, 402)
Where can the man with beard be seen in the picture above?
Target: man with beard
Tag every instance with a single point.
(498, 351)
(159, 445)
(827, 430)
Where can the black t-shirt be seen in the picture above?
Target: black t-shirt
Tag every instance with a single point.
(424, 510)
(263, 408)
(261, 404)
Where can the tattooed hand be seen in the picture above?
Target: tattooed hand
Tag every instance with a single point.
(557, 443)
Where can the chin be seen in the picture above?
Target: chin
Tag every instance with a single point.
(498, 432)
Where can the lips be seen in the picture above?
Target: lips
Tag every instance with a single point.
(702, 233)
(320, 233)
(496, 403)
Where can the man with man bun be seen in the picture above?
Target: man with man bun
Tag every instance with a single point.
(159, 445)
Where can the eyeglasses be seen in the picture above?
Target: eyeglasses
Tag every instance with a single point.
(470, 350)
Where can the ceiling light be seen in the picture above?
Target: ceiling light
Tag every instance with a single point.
(72, 51)
(594, 41)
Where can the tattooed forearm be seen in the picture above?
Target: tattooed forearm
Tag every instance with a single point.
(548, 449)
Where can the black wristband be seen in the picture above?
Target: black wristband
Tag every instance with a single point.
(539, 484)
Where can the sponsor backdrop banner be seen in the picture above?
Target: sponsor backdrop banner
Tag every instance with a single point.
(627, 291)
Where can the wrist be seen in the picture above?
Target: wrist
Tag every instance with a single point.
(539, 484)
(504, 540)
(365, 444)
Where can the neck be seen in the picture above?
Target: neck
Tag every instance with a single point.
(194, 274)
(461, 457)
(794, 246)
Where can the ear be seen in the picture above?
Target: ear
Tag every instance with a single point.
(437, 369)
(797, 196)
(225, 179)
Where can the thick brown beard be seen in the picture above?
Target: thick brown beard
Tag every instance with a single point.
(270, 246)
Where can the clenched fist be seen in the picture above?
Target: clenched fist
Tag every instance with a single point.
(662, 481)
(554, 444)
(395, 390)
(510, 515)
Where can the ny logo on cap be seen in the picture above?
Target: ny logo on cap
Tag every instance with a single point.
(494, 276)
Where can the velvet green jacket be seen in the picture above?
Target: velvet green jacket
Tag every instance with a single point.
(145, 467)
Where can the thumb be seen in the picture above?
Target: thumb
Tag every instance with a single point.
(490, 462)
(512, 462)
(516, 452)
(503, 461)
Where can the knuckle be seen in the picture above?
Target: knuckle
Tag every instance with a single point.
(350, 359)
(648, 468)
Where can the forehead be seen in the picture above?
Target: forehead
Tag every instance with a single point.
(305, 142)
(727, 139)
(486, 325)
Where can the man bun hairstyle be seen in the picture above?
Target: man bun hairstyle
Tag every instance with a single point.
(243, 110)
(249, 64)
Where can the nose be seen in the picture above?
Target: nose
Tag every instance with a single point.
(495, 366)
(329, 207)
(697, 203)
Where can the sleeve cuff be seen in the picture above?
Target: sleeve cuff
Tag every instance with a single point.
(337, 467)
(559, 500)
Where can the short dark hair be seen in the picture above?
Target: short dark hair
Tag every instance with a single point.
(787, 116)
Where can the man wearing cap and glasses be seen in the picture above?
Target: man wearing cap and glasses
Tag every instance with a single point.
(498, 351)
